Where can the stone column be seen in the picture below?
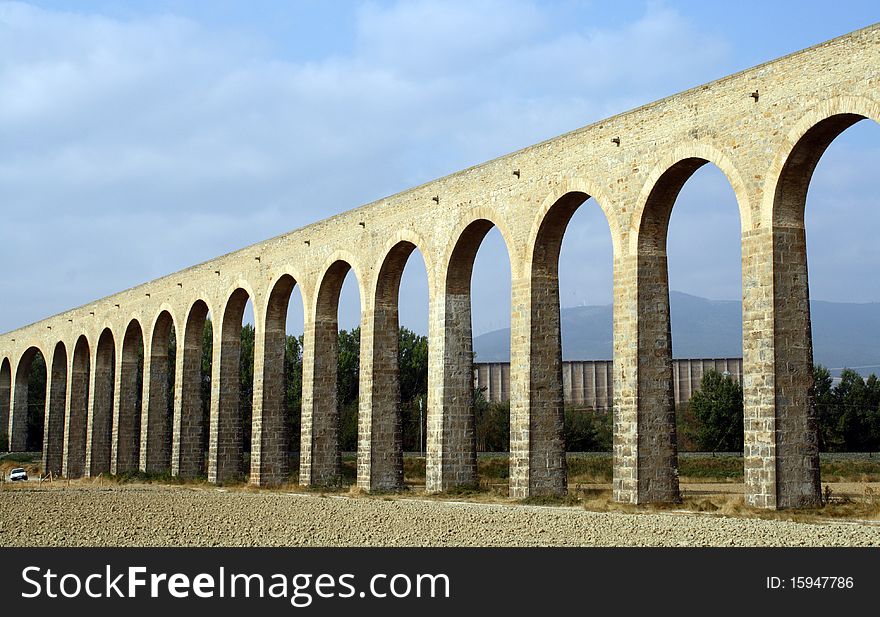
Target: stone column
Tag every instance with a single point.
(537, 448)
(155, 452)
(625, 367)
(321, 460)
(18, 417)
(73, 459)
(5, 394)
(451, 448)
(56, 398)
(759, 437)
(188, 444)
(380, 439)
(225, 437)
(126, 413)
(269, 456)
(797, 439)
(100, 416)
(657, 449)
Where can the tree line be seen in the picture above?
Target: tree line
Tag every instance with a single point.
(847, 413)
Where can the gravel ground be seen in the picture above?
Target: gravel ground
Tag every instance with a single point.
(184, 516)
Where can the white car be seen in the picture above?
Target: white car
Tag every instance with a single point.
(17, 474)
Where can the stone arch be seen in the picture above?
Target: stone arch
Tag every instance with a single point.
(451, 456)
(655, 435)
(227, 433)
(661, 188)
(158, 408)
(380, 434)
(320, 443)
(270, 464)
(559, 206)
(76, 421)
(330, 279)
(403, 237)
(794, 417)
(100, 417)
(538, 414)
(468, 234)
(5, 394)
(125, 454)
(792, 169)
(53, 436)
(26, 420)
(189, 440)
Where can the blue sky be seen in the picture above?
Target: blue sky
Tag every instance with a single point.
(139, 138)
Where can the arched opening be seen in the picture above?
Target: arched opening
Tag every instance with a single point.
(157, 427)
(127, 422)
(29, 404)
(53, 441)
(101, 406)
(331, 370)
(192, 395)
(395, 384)
(706, 317)
(412, 362)
(5, 394)
(75, 431)
(571, 343)
(277, 407)
(470, 281)
(230, 426)
(812, 412)
(658, 460)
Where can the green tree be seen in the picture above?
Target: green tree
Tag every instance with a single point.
(412, 361)
(348, 387)
(491, 424)
(293, 390)
(826, 409)
(853, 402)
(246, 384)
(412, 358)
(718, 409)
(36, 407)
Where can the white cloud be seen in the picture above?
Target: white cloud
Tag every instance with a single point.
(162, 143)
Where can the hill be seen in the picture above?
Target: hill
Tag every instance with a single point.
(844, 334)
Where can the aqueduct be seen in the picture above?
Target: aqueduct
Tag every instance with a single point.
(765, 128)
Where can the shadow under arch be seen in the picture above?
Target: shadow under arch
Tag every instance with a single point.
(100, 415)
(28, 403)
(53, 439)
(127, 412)
(189, 440)
(5, 394)
(76, 421)
(159, 384)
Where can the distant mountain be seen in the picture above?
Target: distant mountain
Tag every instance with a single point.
(844, 334)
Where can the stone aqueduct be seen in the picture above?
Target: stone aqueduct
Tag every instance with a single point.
(765, 128)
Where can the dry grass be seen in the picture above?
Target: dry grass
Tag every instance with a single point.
(709, 485)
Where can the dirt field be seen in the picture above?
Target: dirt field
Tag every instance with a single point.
(88, 514)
